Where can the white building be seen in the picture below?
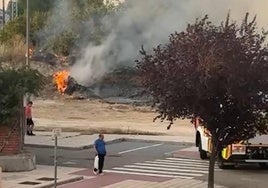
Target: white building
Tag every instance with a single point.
(10, 9)
(1, 17)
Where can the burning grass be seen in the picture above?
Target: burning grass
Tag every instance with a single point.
(60, 79)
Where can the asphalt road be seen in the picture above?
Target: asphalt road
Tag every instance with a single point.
(128, 155)
(246, 176)
(118, 154)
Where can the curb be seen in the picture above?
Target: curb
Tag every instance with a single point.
(72, 148)
(61, 182)
(157, 141)
(118, 140)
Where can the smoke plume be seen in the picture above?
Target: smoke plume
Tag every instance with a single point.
(149, 23)
(57, 22)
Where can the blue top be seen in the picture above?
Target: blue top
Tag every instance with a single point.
(100, 146)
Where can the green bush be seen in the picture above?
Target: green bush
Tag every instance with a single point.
(13, 28)
(13, 85)
(63, 43)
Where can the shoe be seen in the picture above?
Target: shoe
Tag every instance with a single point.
(31, 134)
(95, 171)
(101, 174)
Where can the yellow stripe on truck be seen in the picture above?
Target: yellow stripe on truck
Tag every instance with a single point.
(226, 152)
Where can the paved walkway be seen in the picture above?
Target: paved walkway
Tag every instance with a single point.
(173, 183)
(41, 177)
(111, 180)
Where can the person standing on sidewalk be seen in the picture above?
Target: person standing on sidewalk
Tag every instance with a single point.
(100, 149)
(29, 120)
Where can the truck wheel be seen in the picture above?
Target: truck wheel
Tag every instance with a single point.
(221, 162)
(203, 153)
(263, 165)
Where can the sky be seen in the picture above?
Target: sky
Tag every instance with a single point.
(1, 4)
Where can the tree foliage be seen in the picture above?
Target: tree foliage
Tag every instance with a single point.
(63, 44)
(13, 28)
(35, 6)
(218, 73)
(88, 18)
(13, 85)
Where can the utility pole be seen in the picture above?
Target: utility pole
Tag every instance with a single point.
(27, 34)
(4, 14)
(11, 11)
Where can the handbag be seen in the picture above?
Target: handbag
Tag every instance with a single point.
(96, 162)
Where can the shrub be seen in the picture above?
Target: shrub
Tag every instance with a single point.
(13, 85)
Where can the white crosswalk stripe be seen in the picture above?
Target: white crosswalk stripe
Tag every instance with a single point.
(169, 167)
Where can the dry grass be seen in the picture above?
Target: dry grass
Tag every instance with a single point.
(90, 131)
(13, 51)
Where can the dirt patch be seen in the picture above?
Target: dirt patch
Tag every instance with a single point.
(91, 116)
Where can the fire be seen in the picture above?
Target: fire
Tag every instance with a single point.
(30, 53)
(60, 79)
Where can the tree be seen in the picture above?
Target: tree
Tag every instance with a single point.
(62, 45)
(13, 85)
(13, 28)
(35, 6)
(218, 73)
(88, 19)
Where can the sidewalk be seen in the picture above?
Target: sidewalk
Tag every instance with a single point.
(114, 180)
(41, 177)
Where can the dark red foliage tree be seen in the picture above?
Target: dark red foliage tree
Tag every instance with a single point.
(219, 73)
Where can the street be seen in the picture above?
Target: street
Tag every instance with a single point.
(151, 162)
(118, 154)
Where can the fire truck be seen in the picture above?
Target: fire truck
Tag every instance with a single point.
(254, 150)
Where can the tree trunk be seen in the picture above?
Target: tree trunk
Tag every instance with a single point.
(212, 166)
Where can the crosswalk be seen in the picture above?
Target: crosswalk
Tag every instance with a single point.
(169, 167)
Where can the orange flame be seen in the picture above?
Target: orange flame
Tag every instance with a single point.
(30, 53)
(60, 79)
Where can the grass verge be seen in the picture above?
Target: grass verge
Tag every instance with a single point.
(103, 130)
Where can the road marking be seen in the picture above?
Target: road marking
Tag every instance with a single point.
(148, 174)
(184, 163)
(181, 164)
(185, 159)
(188, 162)
(170, 169)
(140, 148)
(158, 172)
(170, 166)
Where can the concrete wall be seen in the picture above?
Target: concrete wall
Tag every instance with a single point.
(18, 163)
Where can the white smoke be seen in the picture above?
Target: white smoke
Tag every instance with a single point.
(149, 23)
(57, 22)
